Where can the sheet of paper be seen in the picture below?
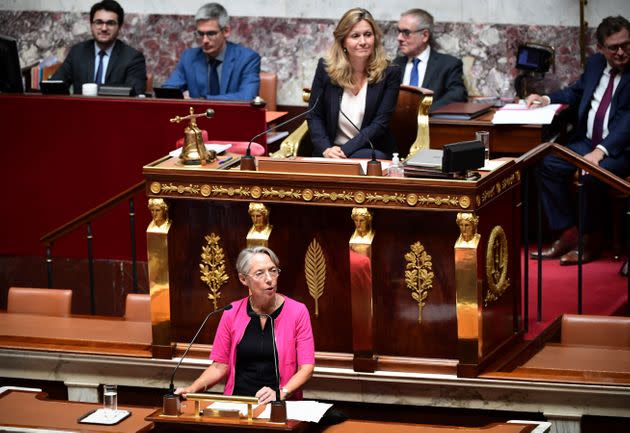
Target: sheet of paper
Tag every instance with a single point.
(519, 114)
(224, 405)
(303, 410)
(218, 148)
(493, 164)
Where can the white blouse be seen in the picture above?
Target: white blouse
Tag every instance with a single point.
(352, 106)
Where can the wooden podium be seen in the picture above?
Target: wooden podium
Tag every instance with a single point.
(409, 297)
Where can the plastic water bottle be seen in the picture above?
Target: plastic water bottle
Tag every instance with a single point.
(395, 169)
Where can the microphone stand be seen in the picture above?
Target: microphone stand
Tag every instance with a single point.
(374, 167)
(278, 407)
(170, 402)
(248, 161)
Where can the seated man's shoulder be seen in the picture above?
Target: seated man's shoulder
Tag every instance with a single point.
(444, 58)
(243, 51)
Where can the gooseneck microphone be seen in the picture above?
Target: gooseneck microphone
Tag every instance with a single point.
(171, 387)
(374, 165)
(248, 162)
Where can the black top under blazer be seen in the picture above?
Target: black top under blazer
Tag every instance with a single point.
(379, 106)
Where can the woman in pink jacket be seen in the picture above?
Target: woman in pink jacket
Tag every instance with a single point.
(243, 350)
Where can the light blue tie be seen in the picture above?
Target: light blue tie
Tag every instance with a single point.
(413, 79)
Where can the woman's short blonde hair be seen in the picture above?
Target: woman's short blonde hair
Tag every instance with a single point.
(337, 65)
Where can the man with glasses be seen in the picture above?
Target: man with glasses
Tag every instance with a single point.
(217, 69)
(104, 59)
(601, 135)
(423, 65)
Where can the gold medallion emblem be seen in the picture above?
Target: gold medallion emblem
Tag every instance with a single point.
(256, 192)
(496, 265)
(156, 187)
(205, 190)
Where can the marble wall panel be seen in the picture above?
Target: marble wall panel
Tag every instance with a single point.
(291, 46)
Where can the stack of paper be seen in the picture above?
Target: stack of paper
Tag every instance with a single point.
(303, 410)
(519, 114)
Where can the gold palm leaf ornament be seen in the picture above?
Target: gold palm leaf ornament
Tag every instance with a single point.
(212, 267)
(419, 275)
(315, 271)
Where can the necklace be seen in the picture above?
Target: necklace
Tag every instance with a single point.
(275, 305)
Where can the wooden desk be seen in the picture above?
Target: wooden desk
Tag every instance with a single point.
(272, 116)
(187, 422)
(504, 139)
(103, 335)
(29, 410)
(352, 426)
(353, 324)
(64, 155)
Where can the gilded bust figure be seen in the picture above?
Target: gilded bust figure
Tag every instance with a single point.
(468, 236)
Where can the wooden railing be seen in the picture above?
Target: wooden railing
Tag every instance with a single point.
(86, 219)
(527, 161)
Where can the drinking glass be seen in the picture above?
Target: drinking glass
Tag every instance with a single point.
(484, 138)
(110, 400)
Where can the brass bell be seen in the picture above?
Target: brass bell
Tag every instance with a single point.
(194, 151)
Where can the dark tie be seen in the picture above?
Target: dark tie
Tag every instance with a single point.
(598, 123)
(213, 76)
(98, 79)
(413, 79)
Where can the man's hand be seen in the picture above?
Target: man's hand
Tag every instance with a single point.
(534, 100)
(595, 156)
(334, 152)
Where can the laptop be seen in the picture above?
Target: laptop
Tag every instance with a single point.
(168, 93)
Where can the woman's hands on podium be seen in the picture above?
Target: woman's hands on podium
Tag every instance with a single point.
(265, 395)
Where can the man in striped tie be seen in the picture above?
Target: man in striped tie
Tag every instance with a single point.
(601, 134)
(423, 65)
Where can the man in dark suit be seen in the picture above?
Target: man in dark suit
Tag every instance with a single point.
(424, 66)
(602, 136)
(104, 59)
(218, 69)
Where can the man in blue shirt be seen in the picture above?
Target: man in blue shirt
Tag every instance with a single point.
(217, 69)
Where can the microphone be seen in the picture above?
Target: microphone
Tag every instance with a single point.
(278, 407)
(171, 387)
(374, 165)
(248, 162)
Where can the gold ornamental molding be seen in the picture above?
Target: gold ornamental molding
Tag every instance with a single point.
(212, 267)
(496, 265)
(498, 187)
(315, 271)
(419, 275)
(312, 195)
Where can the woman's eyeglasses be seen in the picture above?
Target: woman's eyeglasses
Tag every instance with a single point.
(259, 275)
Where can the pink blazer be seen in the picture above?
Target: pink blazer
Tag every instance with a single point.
(294, 339)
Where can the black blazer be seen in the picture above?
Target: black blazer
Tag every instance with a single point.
(126, 67)
(445, 76)
(379, 106)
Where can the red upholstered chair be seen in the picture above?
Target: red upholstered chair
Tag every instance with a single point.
(241, 148)
(48, 302)
(138, 307)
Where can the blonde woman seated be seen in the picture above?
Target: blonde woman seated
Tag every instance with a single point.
(355, 79)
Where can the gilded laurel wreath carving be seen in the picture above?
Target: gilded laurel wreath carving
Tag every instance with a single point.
(419, 275)
(212, 267)
(315, 270)
(496, 265)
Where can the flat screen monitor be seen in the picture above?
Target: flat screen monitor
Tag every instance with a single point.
(10, 73)
(533, 58)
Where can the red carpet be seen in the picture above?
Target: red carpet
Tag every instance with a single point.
(604, 291)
